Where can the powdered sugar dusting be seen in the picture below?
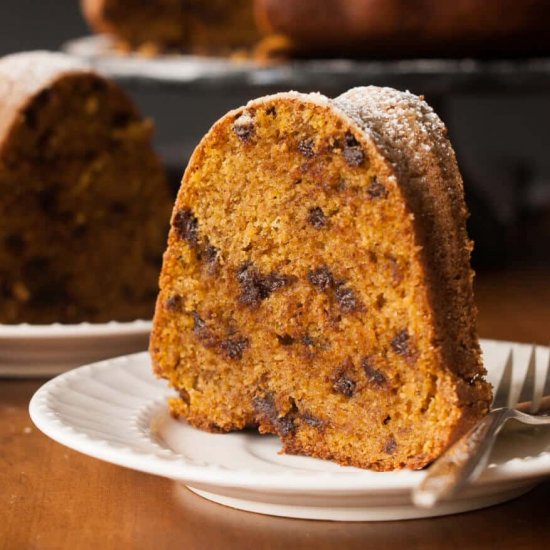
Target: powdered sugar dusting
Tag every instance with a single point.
(32, 69)
(394, 118)
(23, 75)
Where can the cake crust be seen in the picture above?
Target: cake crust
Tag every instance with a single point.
(326, 298)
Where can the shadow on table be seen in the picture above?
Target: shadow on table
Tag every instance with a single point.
(518, 524)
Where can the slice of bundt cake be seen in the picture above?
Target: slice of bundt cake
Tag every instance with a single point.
(83, 199)
(317, 281)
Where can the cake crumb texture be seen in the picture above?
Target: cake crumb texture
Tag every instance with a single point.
(316, 282)
(84, 203)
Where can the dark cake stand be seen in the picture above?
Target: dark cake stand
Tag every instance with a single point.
(508, 198)
(428, 76)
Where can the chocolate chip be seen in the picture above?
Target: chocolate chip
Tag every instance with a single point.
(391, 446)
(274, 281)
(51, 293)
(119, 208)
(81, 230)
(265, 407)
(99, 85)
(346, 298)
(122, 119)
(173, 303)
(48, 200)
(374, 376)
(256, 287)
(321, 278)
(306, 147)
(386, 420)
(15, 243)
(38, 266)
(380, 301)
(245, 271)
(211, 253)
(307, 340)
(313, 421)
(285, 340)
(204, 334)
(353, 153)
(266, 411)
(5, 289)
(376, 190)
(344, 385)
(400, 343)
(285, 425)
(244, 127)
(36, 105)
(234, 346)
(317, 218)
(186, 226)
(271, 111)
(342, 380)
(252, 290)
(198, 323)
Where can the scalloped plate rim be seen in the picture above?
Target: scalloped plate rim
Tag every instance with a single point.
(178, 468)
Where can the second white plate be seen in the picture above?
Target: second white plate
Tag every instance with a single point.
(116, 411)
(46, 350)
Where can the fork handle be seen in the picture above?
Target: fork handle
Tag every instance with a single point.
(462, 462)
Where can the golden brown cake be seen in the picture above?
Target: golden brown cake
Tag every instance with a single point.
(317, 282)
(83, 198)
(197, 26)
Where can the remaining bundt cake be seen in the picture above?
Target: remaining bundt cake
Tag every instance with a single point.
(197, 26)
(317, 283)
(83, 197)
(401, 28)
(331, 28)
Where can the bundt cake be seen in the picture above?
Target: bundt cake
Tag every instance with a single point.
(83, 199)
(401, 28)
(316, 282)
(331, 28)
(195, 26)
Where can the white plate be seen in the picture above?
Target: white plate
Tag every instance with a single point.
(116, 411)
(46, 350)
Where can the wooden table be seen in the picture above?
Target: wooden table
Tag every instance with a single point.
(54, 498)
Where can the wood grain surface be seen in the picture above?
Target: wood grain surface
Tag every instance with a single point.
(54, 498)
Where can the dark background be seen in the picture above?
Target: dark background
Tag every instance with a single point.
(502, 139)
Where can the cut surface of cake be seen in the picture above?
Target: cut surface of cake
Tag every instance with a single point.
(317, 284)
(83, 198)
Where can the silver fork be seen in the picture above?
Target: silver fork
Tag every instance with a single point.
(465, 460)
